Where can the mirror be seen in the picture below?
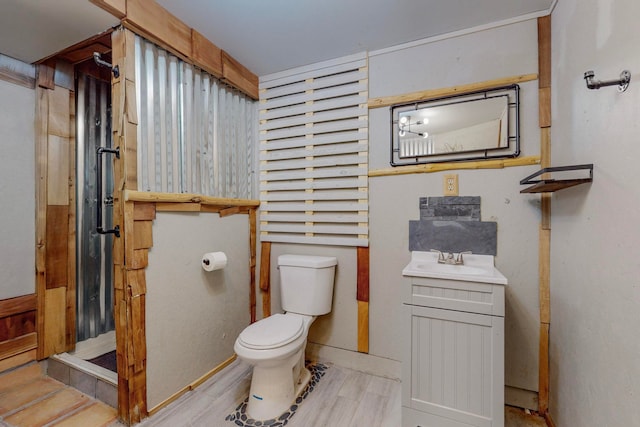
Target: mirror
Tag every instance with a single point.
(471, 126)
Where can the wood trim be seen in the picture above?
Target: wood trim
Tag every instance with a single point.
(543, 272)
(144, 211)
(544, 251)
(439, 167)
(17, 305)
(252, 262)
(16, 78)
(424, 95)
(362, 293)
(548, 419)
(544, 106)
(18, 360)
(544, 51)
(543, 374)
(148, 196)
(265, 278)
(363, 326)
(192, 386)
(18, 345)
(45, 75)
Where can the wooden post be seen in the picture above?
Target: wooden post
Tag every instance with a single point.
(544, 255)
(252, 264)
(135, 239)
(265, 278)
(362, 295)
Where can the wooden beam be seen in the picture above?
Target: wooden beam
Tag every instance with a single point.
(117, 8)
(159, 25)
(439, 167)
(425, 95)
(206, 55)
(239, 76)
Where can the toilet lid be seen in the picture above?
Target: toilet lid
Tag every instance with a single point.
(272, 332)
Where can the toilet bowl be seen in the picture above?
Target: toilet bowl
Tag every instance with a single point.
(275, 345)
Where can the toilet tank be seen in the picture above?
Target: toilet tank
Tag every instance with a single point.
(306, 283)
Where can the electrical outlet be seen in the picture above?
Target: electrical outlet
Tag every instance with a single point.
(451, 185)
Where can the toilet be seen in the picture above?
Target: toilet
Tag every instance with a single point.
(275, 345)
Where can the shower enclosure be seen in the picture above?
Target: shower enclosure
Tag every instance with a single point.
(94, 294)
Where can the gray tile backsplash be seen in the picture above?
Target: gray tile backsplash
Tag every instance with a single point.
(452, 224)
(464, 208)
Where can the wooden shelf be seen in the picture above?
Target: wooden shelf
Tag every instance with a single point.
(549, 185)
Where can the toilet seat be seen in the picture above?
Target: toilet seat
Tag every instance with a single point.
(273, 332)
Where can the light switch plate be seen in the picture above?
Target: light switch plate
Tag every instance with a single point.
(450, 184)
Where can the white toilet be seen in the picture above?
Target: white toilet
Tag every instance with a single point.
(275, 345)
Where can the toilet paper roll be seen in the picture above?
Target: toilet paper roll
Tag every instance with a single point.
(214, 261)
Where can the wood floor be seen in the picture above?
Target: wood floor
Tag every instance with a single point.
(342, 398)
(30, 399)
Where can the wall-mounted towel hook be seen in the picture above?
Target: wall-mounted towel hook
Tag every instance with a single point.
(622, 82)
(98, 60)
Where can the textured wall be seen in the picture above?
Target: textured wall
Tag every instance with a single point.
(500, 52)
(17, 190)
(193, 316)
(595, 285)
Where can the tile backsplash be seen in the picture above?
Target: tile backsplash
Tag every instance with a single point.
(452, 224)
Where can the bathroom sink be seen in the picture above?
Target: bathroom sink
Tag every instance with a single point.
(476, 268)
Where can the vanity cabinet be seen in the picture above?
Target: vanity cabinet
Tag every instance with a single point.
(453, 355)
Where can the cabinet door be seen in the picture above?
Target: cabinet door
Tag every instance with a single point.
(453, 365)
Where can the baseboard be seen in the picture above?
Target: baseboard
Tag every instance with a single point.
(549, 420)
(191, 386)
(521, 398)
(363, 362)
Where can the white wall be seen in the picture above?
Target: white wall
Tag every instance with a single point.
(500, 52)
(595, 270)
(193, 317)
(393, 201)
(17, 190)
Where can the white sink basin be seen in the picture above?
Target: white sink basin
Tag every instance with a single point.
(476, 268)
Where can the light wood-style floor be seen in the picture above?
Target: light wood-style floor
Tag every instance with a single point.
(29, 399)
(342, 398)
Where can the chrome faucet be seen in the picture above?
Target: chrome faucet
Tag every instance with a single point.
(450, 258)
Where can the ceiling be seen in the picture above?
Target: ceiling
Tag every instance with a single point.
(265, 36)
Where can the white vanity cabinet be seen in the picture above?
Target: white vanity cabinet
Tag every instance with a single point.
(453, 355)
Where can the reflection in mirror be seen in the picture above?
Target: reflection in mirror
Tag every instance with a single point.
(478, 125)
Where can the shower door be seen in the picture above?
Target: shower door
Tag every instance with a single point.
(94, 293)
